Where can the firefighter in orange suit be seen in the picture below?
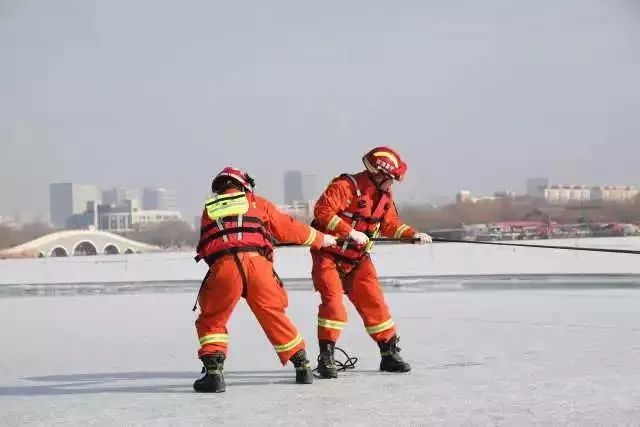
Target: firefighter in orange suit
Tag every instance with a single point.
(237, 230)
(355, 208)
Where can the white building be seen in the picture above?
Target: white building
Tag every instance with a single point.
(464, 196)
(129, 216)
(144, 218)
(118, 196)
(7, 222)
(301, 210)
(562, 194)
(614, 193)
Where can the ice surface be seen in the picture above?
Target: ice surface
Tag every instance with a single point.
(486, 357)
(441, 259)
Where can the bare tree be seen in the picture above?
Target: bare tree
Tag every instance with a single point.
(13, 236)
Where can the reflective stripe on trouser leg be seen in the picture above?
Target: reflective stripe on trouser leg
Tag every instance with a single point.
(218, 298)
(214, 338)
(331, 324)
(332, 314)
(367, 297)
(213, 342)
(380, 327)
(290, 345)
(268, 301)
(329, 329)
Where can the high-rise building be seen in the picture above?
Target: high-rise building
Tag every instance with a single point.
(67, 199)
(309, 188)
(159, 199)
(118, 196)
(293, 187)
(536, 187)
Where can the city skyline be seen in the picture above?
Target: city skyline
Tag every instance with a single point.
(78, 206)
(308, 184)
(484, 94)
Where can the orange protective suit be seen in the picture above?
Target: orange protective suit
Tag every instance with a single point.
(252, 275)
(335, 274)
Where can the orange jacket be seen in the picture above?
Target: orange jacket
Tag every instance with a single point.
(263, 223)
(338, 197)
(285, 228)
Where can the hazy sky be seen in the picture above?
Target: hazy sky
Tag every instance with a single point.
(475, 94)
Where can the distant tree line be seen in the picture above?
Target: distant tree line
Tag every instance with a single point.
(168, 234)
(12, 236)
(180, 235)
(482, 212)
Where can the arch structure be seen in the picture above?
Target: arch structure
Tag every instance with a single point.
(78, 243)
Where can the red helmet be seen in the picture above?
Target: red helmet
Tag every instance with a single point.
(236, 175)
(385, 160)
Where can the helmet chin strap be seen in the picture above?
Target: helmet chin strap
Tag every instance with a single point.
(373, 178)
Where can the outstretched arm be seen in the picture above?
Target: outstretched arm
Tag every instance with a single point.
(285, 228)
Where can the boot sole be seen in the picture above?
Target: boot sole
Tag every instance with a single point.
(222, 389)
(327, 376)
(395, 371)
(209, 391)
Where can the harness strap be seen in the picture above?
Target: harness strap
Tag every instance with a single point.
(223, 233)
(251, 219)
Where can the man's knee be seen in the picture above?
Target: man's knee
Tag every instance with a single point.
(333, 306)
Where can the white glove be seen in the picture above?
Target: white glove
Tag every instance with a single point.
(359, 237)
(423, 238)
(328, 240)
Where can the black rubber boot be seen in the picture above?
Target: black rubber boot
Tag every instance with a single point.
(326, 361)
(391, 359)
(303, 370)
(213, 380)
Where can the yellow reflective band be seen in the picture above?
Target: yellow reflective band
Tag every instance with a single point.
(389, 156)
(381, 327)
(312, 237)
(231, 204)
(288, 346)
(372, 242)
(331, 324)
(334, 222)
(400, 230)
(212, 338)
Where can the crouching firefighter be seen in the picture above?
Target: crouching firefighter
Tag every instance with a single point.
(355, 208)
(237, 230)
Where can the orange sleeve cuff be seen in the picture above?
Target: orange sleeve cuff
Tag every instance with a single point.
(342, 229)
(410, 232)
(404, 230)
(317, 243)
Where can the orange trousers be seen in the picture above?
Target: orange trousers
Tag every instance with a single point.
(264, 294)
(364, 291)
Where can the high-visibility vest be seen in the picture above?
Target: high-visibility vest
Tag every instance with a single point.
(231, 223)
(361, 214)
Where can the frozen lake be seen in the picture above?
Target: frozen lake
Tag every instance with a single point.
(392, 261)
(481, 354)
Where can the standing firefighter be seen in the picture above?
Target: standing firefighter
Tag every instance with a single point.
(236, 236)
(356, 208)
